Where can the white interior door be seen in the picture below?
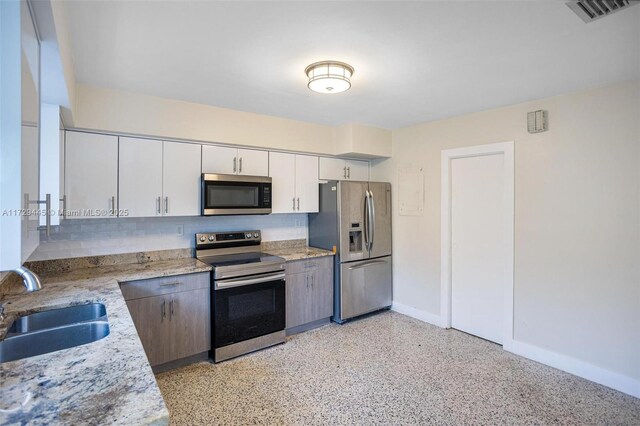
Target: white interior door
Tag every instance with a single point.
(307, 184)
(252, 162)
(282, 173)
(477, 247)
(181, 179)
(91, 173)
(140, 176)
(219, 159)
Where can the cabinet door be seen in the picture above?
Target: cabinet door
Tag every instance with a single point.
(332, 169)
(190, 322)
(282, 173)
(151, 318)
(357, 170)
(219, 159)
(181, 179)
(252, 162)
(322, 289)
(297, 300)
(307, 184)
(91, 172)
(140, 176)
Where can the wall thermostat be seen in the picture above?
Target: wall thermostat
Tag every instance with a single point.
(537, 121)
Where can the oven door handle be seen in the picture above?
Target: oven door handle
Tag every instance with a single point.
(218, 285)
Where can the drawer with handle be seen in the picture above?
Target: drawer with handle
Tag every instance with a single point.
(165, 285)
(304, 265)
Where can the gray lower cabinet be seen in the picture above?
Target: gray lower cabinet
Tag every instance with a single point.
(309, 291)
(171, 315)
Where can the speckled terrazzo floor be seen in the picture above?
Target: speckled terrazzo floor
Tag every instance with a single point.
(388, 369)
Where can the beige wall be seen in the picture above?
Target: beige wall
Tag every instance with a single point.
(124, 112)
(577, 220)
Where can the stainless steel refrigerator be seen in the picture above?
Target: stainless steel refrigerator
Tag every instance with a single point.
(355, 221)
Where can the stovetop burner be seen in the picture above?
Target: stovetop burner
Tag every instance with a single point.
(235, 254)
(239, 259)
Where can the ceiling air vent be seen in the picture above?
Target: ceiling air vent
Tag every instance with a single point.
(590, 10)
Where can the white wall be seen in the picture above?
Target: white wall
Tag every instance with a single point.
(92, 237)
(132, 113)
(577, 221)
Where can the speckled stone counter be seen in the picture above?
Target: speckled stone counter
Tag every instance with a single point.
(299, 253)
(105, 382)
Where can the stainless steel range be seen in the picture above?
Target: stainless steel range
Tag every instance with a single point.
(248, 293)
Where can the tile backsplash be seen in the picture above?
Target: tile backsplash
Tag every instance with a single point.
(91, 237)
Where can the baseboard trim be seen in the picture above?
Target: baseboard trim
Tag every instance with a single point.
(566, 363)
(416, 313)
(574, 366)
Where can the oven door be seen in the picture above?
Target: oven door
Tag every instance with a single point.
(248, 307)
(231, 195)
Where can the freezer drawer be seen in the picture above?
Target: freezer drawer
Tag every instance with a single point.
(365, 286)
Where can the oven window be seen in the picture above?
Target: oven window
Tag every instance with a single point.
(236, 196)
(252, 304)
(245, 312)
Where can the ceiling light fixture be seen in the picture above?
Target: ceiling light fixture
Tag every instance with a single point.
(329, 76)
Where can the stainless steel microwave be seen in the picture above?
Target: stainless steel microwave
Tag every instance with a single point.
(233, 194)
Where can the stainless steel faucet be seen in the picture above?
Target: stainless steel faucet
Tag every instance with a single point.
(30, 280)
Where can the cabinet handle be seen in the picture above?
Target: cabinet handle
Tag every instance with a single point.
(298, 203)
(170, 284)
(171, 307)
(64, 206)
(166, 205)
(312, 280)
(344, 172)
(348, 172)
(158, 206)
(113, 205)
(240, 168)
(294, 204)
(163, 310)
(306, 281)
(234, 164)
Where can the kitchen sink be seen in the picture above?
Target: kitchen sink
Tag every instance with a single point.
(57, 317)
(51, 340)
(53, 330)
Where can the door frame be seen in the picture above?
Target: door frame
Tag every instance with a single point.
(506, 149)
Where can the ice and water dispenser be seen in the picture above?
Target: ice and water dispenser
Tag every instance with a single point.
(355, 238)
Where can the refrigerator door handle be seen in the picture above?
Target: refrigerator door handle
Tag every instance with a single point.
(365, 264)
(366, 220)
(372, 220)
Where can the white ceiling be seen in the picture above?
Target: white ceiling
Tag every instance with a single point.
(414, 61)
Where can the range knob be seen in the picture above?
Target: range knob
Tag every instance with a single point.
(212, 237)
(202, 239)
(247, 235)
(255, 235)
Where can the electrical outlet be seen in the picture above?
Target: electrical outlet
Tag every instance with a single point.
(180, 230)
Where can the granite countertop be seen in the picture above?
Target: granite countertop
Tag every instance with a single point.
(299, 253)
(105, 382)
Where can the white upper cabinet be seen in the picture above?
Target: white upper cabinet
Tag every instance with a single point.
(91, 173)
(295, 183)
(307, 184)
(357, 170)
(219, 159)
(159, 178)
(233, 161)
(181, 179)
(252, 162)
(340, 169)
(140, 174)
